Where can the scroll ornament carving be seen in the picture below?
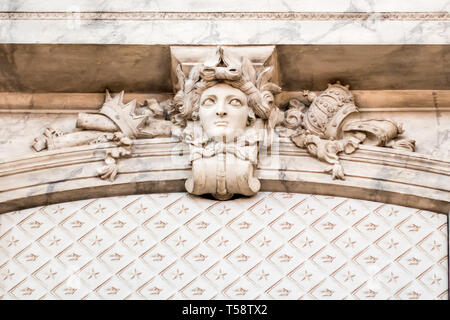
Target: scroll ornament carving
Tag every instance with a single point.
(225, 110)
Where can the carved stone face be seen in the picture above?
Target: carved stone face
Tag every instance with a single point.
(223, 112)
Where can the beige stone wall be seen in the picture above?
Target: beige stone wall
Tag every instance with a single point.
(177, 246)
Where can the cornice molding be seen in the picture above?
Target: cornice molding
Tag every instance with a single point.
(301, 16)
(162, 165)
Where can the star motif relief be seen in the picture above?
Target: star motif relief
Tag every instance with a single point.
(435, 280)
(263, 275)
(177, 275)
(54, 241)
(8, 275)
(97, 241)
(393, 212)
(266, 210)
(307, 242)
(349, 276)
(392, 278)
(224, 210)
(308, 210)
(435, 246)
(182, 209)
(138, 241)
(392, 244)
(306, 276)
(135, 274)
(100, 209)
(350, 211)
(51, 274)
(58, 210)
(399, 257)
(265, 242)
(93, 274)
(222, 242)
(141, 209)
(350, 243)
(180, 242)
(12, 242)
(221, 275)
(432, 215)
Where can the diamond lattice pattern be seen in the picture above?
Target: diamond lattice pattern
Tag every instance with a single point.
(177, 246)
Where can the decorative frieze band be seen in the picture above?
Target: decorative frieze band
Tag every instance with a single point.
(134, 16)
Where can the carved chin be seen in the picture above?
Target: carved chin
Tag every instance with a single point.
(224, 132)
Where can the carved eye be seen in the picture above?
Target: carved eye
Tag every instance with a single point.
(236, 102)
(208, 102)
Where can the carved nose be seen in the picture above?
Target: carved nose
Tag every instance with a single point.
(221, 110)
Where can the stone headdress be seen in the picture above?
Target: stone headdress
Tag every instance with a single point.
(238, 73)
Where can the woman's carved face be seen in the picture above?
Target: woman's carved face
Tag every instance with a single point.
(223, 112)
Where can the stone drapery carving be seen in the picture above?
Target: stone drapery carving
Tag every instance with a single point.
(225, 110)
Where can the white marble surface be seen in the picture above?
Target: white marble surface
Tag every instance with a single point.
(225, 32)
(228, 5)
(183, 30)
(177, 246)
